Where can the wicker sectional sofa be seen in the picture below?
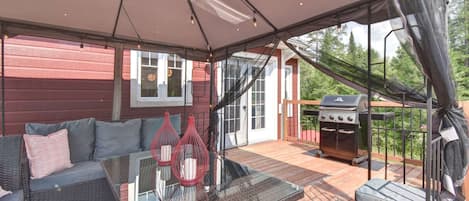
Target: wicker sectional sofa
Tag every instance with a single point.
(90, 141)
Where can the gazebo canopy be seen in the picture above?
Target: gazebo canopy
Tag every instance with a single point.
(195, 28)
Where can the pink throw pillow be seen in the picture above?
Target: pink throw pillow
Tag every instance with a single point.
(47, 154)
(3, 192)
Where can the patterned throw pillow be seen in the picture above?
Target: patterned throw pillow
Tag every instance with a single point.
(3, 192)
(47, 154)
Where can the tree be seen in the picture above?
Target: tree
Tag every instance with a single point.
(458, 33)
(352, 49)
(403, 68)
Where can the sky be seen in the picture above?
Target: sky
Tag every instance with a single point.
(378, 32)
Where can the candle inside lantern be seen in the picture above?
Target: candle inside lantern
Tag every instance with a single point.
(165, 153)
(190, 168)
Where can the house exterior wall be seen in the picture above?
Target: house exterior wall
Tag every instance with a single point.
(50, 81)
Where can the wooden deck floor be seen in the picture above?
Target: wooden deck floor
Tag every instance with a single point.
(321, 178)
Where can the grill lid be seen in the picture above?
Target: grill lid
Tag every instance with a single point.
(343, 100)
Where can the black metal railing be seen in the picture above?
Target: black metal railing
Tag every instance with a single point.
(436, 168)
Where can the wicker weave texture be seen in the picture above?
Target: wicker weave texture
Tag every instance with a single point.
(96, 190)
(11, 149)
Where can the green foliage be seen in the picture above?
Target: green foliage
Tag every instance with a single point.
(403, 68)
(314, 84)
(458, 32)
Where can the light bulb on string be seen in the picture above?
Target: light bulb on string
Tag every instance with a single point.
(192, 19)
(254, 21)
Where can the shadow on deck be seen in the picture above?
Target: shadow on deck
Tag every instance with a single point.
(321, 178)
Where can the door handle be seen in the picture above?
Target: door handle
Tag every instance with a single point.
(348, 132)
(328, 129)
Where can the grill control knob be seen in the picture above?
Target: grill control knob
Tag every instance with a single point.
(323, 117)
(349, 118)
(331, 117)
(340, 118)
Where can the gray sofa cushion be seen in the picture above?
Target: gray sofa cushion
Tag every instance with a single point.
(116, 139)
(81, 135)
(379, 189)
(151, 125)
(15, 196)
(79, 173)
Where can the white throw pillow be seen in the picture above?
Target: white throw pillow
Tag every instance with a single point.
(47, 154)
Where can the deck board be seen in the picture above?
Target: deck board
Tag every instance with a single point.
(321, 178)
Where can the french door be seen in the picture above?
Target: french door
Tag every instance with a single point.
(235, 117)
(244, 120)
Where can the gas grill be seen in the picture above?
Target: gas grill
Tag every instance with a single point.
(342, 131)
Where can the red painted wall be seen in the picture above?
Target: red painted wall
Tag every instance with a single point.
(50, 81)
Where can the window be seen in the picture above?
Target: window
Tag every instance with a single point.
(258, 100)
(158, 80)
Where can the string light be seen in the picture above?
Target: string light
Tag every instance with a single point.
(105, 46)
(81, 45)
(192, 19)
(5, 36)
(139, 46)
(254, 20)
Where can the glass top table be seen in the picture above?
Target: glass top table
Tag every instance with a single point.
(137, 177)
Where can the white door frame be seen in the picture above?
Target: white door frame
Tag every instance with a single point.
(270, 130)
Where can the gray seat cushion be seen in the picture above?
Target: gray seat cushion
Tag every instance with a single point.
(80, 136)
(379, 189)
(79, 173)
(116, 138)
(151, 125)
(14, 196)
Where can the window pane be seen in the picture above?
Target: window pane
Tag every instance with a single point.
(145, 58)
(258, 101)
(154, 61)
(174, 61)
(149, 80)
(174, 82)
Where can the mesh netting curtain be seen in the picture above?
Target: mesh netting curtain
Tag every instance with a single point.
(425, 25)
(239, 87)
(353, 76)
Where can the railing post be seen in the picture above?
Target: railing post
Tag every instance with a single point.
(428, 154)
(285, 119)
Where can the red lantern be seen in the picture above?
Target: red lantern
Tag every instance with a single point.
(190, 158)
(162, 145)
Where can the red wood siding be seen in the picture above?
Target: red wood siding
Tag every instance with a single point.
(50, 81)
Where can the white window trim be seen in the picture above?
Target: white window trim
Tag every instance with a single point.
(136, 101)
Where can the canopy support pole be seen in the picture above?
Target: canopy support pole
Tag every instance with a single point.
(428, 154)
(211, 126)
(200, 27)
(117, 96)
(116, 22)
(3, 81)
(369, 137)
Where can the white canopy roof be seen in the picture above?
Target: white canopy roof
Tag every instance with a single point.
(166, 24)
